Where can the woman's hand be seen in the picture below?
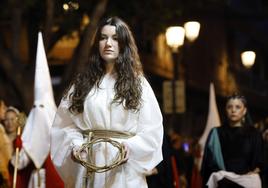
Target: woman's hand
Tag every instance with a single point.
(127, 151)
(154, 171)
(255, 171)
(78, 153)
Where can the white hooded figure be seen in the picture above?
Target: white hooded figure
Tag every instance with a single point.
(36, 134)
(213, 120)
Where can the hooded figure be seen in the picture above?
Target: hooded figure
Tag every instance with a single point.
(36, 134)
(213, 120)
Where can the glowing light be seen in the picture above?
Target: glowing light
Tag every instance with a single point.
(175, 36)
(248, 58)
(65, 6)
(192, 30)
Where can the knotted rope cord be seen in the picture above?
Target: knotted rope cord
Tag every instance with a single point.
(102, 136)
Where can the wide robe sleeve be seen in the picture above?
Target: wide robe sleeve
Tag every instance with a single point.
(64, 136)
(146, 145)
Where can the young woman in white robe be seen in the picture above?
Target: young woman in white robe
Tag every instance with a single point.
(111, 94)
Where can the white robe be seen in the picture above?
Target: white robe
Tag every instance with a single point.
(99, 113)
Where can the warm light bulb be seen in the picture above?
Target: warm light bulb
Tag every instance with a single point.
(175, 36)
(248, 58)
(192, 30)
(65, 6)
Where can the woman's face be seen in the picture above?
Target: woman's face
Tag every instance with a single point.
(236, 110)
(108, 44)
(11, 122)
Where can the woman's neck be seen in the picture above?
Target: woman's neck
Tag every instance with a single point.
(236, 124)
(12, 136)
(109, 68)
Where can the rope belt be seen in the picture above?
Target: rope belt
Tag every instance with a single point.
(98, 133)
(97, 136)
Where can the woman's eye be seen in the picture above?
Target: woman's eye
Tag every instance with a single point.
(238, 107)
(103, 37)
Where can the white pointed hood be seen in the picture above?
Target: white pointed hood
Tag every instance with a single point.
(35, 137)
(213, 119)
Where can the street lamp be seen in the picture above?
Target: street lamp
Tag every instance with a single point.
(175, 37)
(248, 58)
(192, 30)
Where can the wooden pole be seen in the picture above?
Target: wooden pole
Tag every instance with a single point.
(16, 160)
(21, 119)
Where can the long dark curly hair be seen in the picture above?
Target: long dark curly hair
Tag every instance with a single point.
(127, 67)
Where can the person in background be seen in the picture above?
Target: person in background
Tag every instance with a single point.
(2, 111)
(265, 172)
(5, 149)
(34, 142)
(179, 157)
(233, 154)
(110, 99)
(11, 122)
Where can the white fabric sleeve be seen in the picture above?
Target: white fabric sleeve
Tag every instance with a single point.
(146, 146)
(23, 159)
(64, 136)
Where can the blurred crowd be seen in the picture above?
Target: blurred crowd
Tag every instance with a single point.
(9, 141)
(16, 166)
(179, 169)
(186, 153)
